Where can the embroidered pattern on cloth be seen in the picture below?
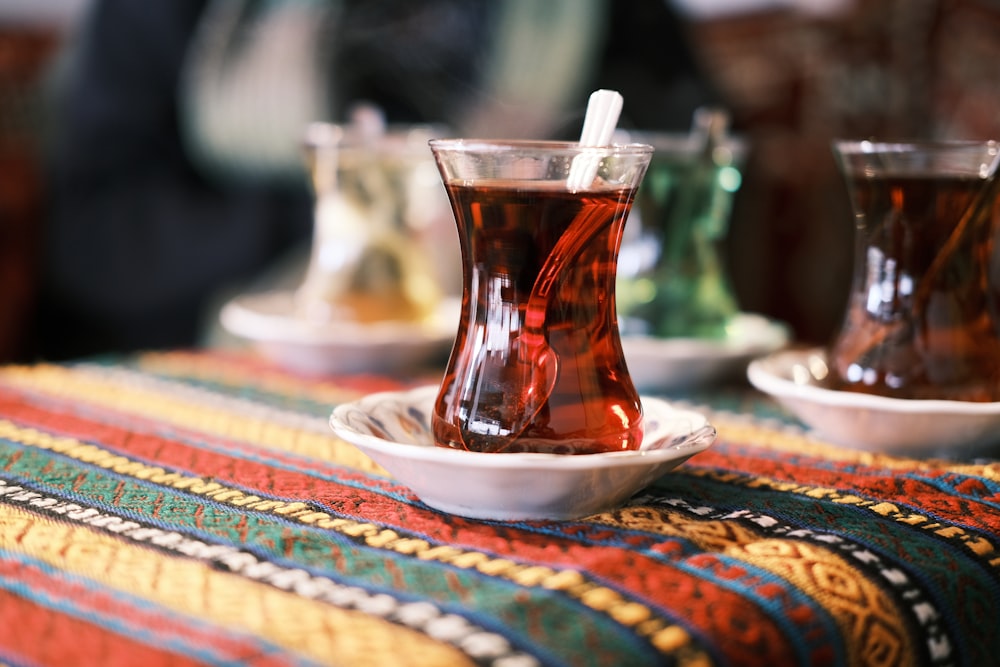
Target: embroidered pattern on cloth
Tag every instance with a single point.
(193, 508)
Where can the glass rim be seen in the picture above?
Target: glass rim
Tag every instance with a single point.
(873, 146)
(667, 140)
(539, 145)
(395, 137)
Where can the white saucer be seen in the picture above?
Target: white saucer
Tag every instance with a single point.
(952, 429)
(667, 364)
(267, 319)
(393, 428)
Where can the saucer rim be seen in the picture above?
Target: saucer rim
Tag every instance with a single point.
(667, 365)
(696, 440)
(723, 349)
(763, 375)
(241, 316)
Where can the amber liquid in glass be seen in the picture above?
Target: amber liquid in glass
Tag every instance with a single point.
(510, 234)
(919, 322)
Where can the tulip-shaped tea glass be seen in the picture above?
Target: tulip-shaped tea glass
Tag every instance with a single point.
(921, 319)
(537, 363)
(378, 201)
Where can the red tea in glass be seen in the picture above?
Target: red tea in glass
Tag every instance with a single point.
(921, 321)
(537, 363)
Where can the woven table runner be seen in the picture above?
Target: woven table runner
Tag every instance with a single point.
(195, 508)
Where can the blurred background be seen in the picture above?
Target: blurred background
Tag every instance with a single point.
(89, 106)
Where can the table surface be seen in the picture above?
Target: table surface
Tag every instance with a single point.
(193, 507)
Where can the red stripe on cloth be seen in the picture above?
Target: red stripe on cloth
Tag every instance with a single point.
(235, 368)
(887, 485)
(71, 640)
(138, 438)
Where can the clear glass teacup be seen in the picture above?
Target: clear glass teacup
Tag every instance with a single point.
(921, 320)
(378, 252)
(537, 363)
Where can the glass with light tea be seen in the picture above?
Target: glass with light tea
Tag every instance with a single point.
(378, 253)
(921, 319)
(537, 363)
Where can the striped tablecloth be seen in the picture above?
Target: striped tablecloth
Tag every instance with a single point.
(194, 508)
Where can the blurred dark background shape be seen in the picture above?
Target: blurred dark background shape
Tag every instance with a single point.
(794, 74)
(175, 173)
(30, 36)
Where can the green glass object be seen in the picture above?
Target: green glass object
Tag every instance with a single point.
(672, 280)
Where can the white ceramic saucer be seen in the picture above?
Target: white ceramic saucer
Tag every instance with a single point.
(393, 428)
(267, 319)
(668, 364)
(952, 429)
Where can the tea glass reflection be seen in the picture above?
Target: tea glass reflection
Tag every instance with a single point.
(921, 320)
(537, 363)
(377, 252)
(672, 280)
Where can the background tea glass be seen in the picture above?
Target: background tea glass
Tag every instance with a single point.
(537, 363)
(672, 280)
(383, 244)
(921, 318)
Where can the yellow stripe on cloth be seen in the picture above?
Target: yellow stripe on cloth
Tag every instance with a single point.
(864, 613)
(193, 411)
(794, 440)
(235, 373)
(977, 544)
(872, 624)
(320, 631)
